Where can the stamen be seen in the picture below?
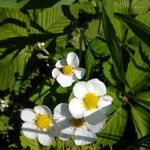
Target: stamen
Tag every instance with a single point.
(77, 122)
(43, 121)
(90, 101)
(67, 69)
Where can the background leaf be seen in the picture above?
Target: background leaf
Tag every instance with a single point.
(12, 69)
(141, 120)
(139, 28)
(137, 74)
(114, 47)
(143, 98)
(4, 123)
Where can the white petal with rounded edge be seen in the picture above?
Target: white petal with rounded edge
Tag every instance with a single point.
(76, 108)
(55, 72)
(45, 139)
(61, 63)
(66, 133)
(80, 89)
(83, 136)
(27, 115)
(54, 130)
(61, 111)
(42, 109)
(96, 128)
(64, 80)
(97, 86)
(79, 72)
(94, 117)
(73, 59)
(105, 103)
(29, 130)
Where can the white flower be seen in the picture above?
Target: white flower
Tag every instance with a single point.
(38, 123)
(4, 103)
(67, 70)
(80, 129)
(91, 101)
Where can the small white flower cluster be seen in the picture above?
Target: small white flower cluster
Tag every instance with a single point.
(81, 119)
(4, 104)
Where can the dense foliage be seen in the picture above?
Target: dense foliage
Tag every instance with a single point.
(112, 40)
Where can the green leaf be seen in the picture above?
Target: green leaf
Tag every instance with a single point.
(92, 30)
(116, 121)
(12, 69)
(38, 96)
(141, 121)
(114, 128)
(90, 62)
(13, 23)
(51, 19)
(116, 6)
(87, 7)
(143, 98)
(109, 73)
(139, 28)
(137, 74)
(143, 18)
(114, 47)
(99, 47)
(4, 123)
(13, 3)
(140, 7)
(64, 2)
(27, 143)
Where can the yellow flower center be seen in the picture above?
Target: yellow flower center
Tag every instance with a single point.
(90, 101)
(43, 121)
(77, 122)
(67, 69)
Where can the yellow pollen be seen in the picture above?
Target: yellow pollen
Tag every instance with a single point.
(43, 121)
(67, 69)
(90, 101)
(77, 122)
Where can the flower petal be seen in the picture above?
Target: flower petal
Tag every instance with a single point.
(61, 63)
(29, 130)
(64, 80)
(27, 115)
(79, 72)
(54, 130)
(80, 89)
(83, 136)
(97, 86)
(55, 72)
(96, 128)
(76, 108)
(45, 139)
(105, 103)
(66, 129)
(42, 109)
(94, 117)
(61, 111)
(73, 59)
